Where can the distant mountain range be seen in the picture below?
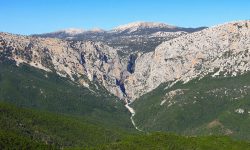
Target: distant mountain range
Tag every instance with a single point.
(133, 37)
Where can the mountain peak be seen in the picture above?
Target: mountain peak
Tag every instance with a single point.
(96, 30)
(72, 31)
(140, 25)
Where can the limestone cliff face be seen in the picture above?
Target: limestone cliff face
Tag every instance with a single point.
(94, 60)
(220, 50)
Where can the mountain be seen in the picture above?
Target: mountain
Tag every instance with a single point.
(72, 31)
(135, 26)
(94, 60)
(69, 33)
(30, 87)
(128, 41)
(220, 50)
(129, 38)
(187, 81)
(64, 114)
(197, 84)
(80, 61)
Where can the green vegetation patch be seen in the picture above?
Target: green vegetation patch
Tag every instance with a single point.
(209, 106)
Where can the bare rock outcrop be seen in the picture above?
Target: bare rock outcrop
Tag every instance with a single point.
(220, 50)
(94, 60)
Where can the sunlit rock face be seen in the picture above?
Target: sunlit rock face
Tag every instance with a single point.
(220, 50)
(94, 60)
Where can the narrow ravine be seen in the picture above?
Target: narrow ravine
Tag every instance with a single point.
(132, 111)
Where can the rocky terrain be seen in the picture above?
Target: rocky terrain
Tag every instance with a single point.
(130, 38)
(220, 50)
(204, 74)
(82, 62)
(85, 56)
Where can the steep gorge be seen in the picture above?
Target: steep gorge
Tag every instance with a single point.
(220, 50)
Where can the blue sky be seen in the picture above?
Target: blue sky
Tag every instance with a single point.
(40, 16)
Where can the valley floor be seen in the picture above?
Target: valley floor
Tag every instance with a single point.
(132, 111)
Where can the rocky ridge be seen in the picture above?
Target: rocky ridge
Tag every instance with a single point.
(143, 25)
(82, 62)
(220, 50)
(128, 38)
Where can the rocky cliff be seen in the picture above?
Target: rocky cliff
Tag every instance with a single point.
(82, 62)
(220, 50)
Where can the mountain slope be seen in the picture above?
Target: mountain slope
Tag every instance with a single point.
(51, 130)
(172, 142)
(30, 129)
(222, 49)
(194, 84)
(197, 84)
(27, 86)
(84, 62)
(218, 105)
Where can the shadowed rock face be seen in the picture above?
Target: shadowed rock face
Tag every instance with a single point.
(222, 50)
(131, 63)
